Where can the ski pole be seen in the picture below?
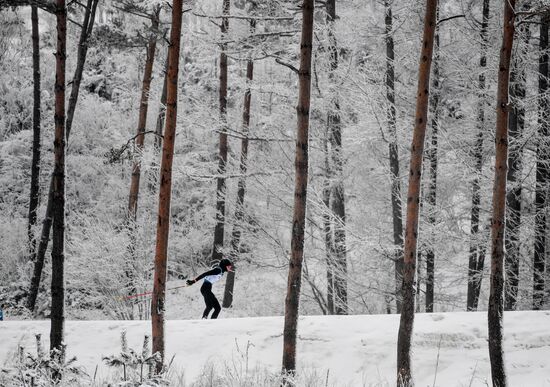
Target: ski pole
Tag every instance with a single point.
(122, 298)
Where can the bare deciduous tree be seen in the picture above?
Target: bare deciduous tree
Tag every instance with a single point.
(334, 123)
(239, 206)
(223, 146)
(543, 168)
(397, 216)
(516, 127)
(35, 168)
(476, 258)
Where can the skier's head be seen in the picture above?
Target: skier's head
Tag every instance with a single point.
(226, 265)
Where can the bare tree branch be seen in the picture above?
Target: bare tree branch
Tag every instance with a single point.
(46, 5)
(449, 18)
(243, 17)
(286, 65)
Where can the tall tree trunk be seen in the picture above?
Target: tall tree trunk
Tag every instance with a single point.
(327, 227)
(139, 141)
(475, 272)
(404, 374)
(57, 314)
(163, 222)
(153, 179)
(222, 156)
(482, 252)
(85, 33)
(431, 195)
(300, 191)
(162, 110)
(338, 196)
(35, 168)
(142, 121)
(543, 168)
(41, 252)
(397, 216)
(420, 251)
(496, 297)
(239, 206)
(515, 163)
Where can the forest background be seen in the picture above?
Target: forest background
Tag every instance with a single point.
(101, 154)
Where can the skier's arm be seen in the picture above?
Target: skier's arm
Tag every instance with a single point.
(214, 271)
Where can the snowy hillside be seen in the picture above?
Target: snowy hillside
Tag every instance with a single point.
(450, 349)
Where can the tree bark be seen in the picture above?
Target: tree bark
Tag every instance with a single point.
(163, 222)
(404, 374)
(338, 192)
(46, 5)
(327, 228)
(515, 164)
(57, 314)
(35, 166)
(543, 169)
(397, 216)
(85, 33)
(131, 215)
(431, 195)
(142, 121)
(300, 191)
(222, 156)
(496, 297)
(475, 272)
(41, 252)
(420, 251)
(239, 206)
(162, 110)
(153, 178)
(482, 252)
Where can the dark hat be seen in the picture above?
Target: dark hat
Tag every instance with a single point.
(226, 265)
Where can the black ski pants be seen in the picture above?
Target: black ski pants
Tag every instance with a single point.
(210, 300)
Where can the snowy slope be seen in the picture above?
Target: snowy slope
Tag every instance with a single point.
(357, 350)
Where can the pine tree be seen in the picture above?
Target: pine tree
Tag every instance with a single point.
(496, 297)
(292, 300)
(57, 314)
(35, 168)
(85, 33)
(404, 373)
(165, 193)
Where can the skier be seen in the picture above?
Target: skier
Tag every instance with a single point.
(210, 277)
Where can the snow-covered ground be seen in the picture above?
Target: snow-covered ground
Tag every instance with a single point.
(450, 349)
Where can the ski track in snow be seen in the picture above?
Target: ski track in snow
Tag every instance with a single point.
(356, 350)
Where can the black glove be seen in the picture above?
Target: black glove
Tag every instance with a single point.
(190, 282)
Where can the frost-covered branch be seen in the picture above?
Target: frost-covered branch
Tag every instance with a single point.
(244, 17)
(46, 5)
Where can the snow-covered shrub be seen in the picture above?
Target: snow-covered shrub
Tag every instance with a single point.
(228, 375)
(137, 367)
(43, 369)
